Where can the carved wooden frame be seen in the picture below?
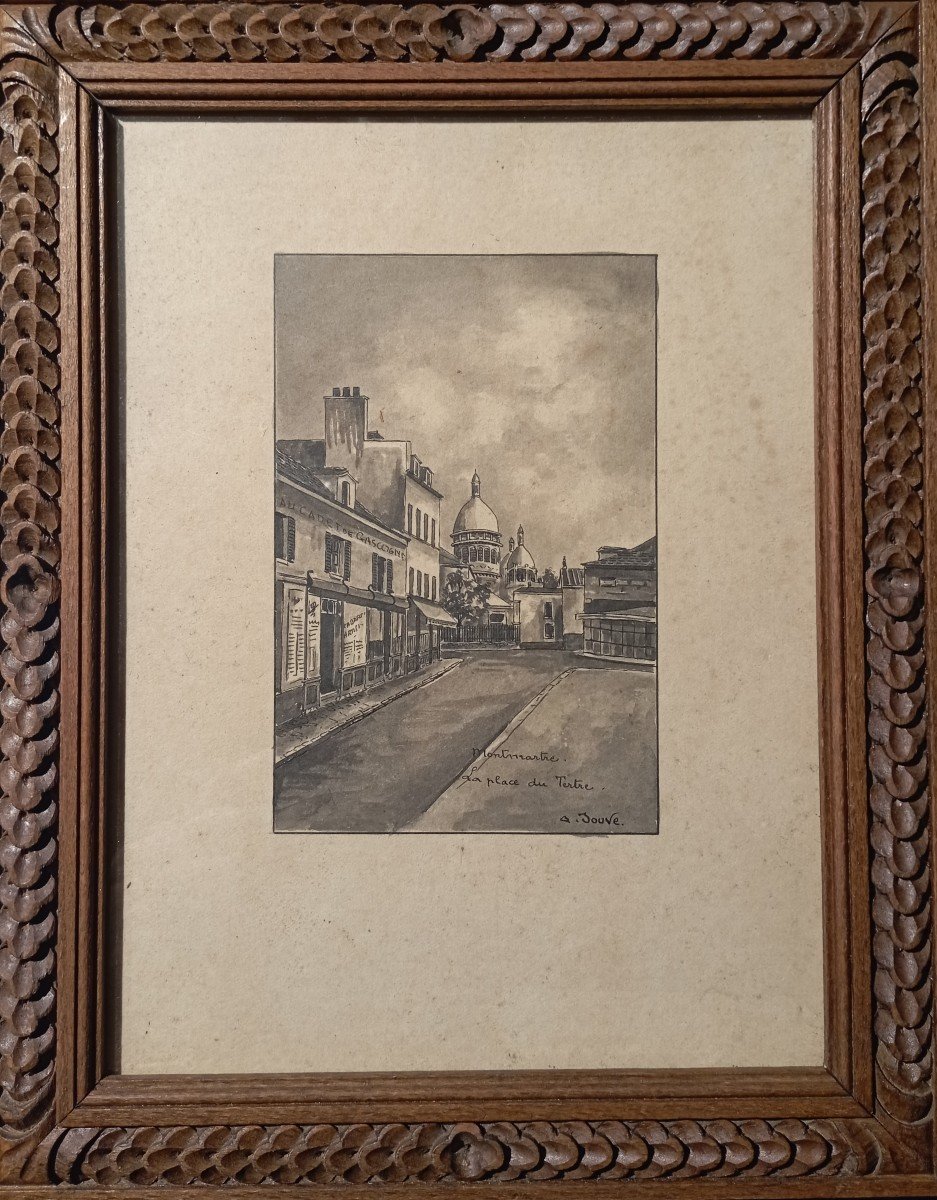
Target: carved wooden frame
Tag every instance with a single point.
(863, 1124)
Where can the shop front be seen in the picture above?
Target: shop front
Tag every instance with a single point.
(425, 623)
(355, 637)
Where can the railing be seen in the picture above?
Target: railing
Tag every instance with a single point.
(497, 634)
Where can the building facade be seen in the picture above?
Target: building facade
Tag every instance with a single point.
(540, 616)
(397, 487)
(619, 615)
(572, 586)
(340, 601)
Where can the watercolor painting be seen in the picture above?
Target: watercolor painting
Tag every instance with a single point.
(465, 543)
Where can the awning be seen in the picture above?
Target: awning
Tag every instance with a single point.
(334, 589)
(434, 613)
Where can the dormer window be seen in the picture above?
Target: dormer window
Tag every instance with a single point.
(346, 493)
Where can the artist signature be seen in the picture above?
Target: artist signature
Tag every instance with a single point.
(585, 818)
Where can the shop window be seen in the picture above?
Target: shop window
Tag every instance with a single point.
(295, 657)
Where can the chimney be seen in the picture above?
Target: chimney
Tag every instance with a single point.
(346, 423)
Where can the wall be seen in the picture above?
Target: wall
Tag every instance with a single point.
(531, 613)
(421, 555)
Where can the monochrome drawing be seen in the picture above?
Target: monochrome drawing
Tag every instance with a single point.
(465, 603)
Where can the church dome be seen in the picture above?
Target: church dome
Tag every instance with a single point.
(475, 515)
(520, 556)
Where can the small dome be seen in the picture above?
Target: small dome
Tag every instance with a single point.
(520, 556)
(475, 515)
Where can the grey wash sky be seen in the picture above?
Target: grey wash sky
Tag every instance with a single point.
(538, 370)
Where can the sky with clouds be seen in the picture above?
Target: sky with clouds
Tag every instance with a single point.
(538, 370)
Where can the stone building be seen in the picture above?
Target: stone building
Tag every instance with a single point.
(397, 487)
(340, 604)
(619, 614)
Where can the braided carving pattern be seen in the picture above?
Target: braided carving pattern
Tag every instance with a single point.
(894, 547)
(538, 1151)
(29, 584)
(315, 33)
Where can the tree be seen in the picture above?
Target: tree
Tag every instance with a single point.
(464, 597)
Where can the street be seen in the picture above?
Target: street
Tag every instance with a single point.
(519, 741)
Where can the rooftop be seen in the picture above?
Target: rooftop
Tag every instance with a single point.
(644, 555)
(297, 472)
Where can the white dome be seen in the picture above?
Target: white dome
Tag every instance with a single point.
(475, 515)
(520, 556)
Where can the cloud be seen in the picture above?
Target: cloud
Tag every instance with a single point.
(538, 370)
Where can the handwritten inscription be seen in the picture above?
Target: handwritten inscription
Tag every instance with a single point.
(496, 769)
(585, 818)
(540, 756)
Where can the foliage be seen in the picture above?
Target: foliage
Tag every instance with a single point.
(464, 597)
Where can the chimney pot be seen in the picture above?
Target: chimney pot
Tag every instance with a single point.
(356, 391)
(346, 391)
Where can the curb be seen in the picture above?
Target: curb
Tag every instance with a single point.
(327, 733)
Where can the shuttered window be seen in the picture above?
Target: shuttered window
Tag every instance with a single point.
(284, 537)
(337, 556)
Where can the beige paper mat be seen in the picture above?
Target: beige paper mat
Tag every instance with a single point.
(246, 951)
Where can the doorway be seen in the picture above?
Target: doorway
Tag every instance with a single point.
(327, 643)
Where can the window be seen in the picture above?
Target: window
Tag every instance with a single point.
(389, 576)
(473, 554)
(434, 587)
(549, 631)
(284, 537)
(411, 581)
(378, 567)
(426, 527)
(337, 556)
(419, 522)
(432, 535)
(346, 493)
(548, 610)
(409, 518)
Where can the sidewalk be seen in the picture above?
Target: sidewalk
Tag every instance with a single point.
(325, 721)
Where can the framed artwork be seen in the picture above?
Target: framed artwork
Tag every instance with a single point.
(468, 421)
